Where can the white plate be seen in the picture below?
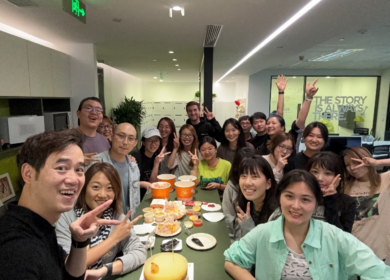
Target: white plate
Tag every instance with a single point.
(207, 240)
(214, 217)
(169, 235)
(143, 229)
(144, 240)
(190, 272)
(178, 247)
(207, 208)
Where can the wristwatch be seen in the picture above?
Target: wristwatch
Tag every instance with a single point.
(79, 245)
(109, 268)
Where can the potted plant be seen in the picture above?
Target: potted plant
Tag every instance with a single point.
(130, 111)
(197, 94)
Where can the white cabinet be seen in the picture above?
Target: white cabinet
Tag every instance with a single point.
(61, 74)
(14, 78)
(40, 70)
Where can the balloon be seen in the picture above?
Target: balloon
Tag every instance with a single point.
(237, 102)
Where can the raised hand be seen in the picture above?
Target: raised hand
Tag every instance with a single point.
(131, 158)
(365, 161)
(244, 216)
(123, 229)
(281, 83)
(194, 158)
(89, 158)
(332, 188)
(282, 161)
(209, 115)
(176, 141)
(161, 156)
(311, 90)
(87, 225)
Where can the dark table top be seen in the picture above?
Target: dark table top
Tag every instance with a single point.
(207, 264)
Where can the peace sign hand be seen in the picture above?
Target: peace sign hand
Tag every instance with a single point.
(282, 161)
(244, 216)
(87, 225)
(332, 188)
(194, 158)
(161, 156)
(311, 90)
(176, 142)
(123, 229)
(365, 161)
(281, 83)
(209, 115)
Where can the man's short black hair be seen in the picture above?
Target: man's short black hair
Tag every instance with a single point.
(244, 118)
(82, 103)
(39, 147)
(257, 115)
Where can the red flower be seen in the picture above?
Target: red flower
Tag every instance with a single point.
(237, 102)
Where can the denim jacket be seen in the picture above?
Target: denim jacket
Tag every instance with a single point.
(330, 253)
(134, 176)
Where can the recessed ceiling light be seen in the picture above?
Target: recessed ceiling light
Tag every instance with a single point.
(21, 34)
(335, 55)
(154, 60)
(294, 77)
(174, 59)
(283, 27)
(154, 77)
(328, 77)
(176, 65)
(171, 52)
(341, 39)
(178, 69)
(176, 8)
(161, 80)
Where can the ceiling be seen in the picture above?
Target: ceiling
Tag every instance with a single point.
(147, 33)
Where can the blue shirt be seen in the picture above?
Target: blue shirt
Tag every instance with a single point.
(330, 253)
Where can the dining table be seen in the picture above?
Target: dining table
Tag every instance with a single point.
(208, 264)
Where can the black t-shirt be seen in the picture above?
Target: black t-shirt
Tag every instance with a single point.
(257, 141)
(145, 165)
(298, 161)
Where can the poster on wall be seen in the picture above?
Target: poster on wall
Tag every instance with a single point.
(6, 190)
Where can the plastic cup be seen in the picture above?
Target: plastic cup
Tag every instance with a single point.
(169, 178)
(191, 178)
(185, 190)
(160, 190)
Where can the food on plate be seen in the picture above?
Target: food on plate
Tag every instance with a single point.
(170, 245)
(158, 203)
(171, 266)
(197, 242)
(159, 217)
(169, 227)
(147, 209)
(188, 224)
(211, 205)
(196, 208)
(149, 217)
(197, 223)
(193, 218)
(174, 209)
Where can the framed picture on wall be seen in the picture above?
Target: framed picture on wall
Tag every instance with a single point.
(6, 189)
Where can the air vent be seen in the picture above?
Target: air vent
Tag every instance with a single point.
(23, 3)
(212, 35)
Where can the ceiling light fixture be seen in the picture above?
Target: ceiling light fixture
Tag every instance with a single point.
(24, 35)
(161, 80)
(335, 55)
(174, 59)
(171, 52)
(178, 69)
(283, 27)
(154, 77)
(176, 65)
(176, 8)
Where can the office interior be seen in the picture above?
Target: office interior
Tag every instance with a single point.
(52, 60)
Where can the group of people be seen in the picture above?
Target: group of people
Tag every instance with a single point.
(305, 215)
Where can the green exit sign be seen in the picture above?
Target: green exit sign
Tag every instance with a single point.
(76, 9)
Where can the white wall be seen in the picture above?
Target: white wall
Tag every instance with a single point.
(117, 85)
(169, 91)
(383, 104)
(83, 73)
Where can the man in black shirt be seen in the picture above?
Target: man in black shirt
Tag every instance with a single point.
(258, 121)
(52, 167)
(208, 126)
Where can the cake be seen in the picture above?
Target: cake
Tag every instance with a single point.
(166, 266)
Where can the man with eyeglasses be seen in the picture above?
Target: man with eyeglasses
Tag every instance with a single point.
(90, 115)
(247, 128)
(124, 140)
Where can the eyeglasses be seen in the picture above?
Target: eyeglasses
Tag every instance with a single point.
(89, 109)
(209, 149)
(152, 141)
(287, 149)
(102, 127)
(124, 136)
(189, 136)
